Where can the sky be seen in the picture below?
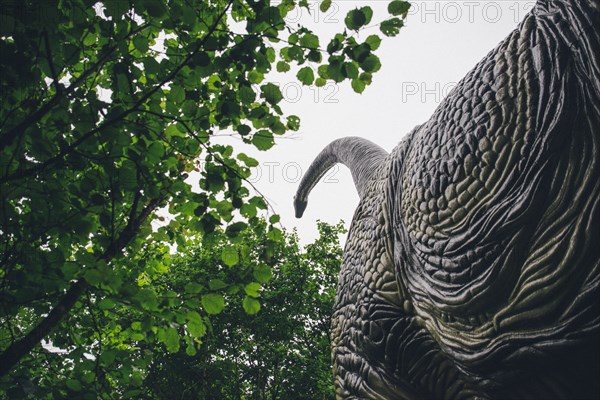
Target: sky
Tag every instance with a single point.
(441, 42)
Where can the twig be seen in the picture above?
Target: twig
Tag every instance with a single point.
(86, 136)
(8, 137)
(51, 63)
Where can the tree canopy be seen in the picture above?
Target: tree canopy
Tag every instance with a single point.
(283, 351)
(215, 344)
(105, 108)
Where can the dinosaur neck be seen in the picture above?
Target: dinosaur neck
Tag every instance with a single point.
(359, 155)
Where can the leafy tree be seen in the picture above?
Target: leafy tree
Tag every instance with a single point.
(281, 352)
(105, 108)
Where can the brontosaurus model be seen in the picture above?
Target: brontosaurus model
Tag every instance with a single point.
(472, 265)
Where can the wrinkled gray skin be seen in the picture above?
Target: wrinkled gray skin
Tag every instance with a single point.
(472, 265)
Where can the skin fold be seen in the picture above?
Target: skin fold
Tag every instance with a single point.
(472, 265)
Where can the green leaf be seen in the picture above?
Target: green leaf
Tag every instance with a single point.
(358, 85)
(193, 288)
(306, 76)
(89, 39)
(243, 129)
(216, 284)
(93, 277)
(106, 304)
(147, 299)
(262, 273)
(249, 161)
(224, 208)
(251, 306)
(315, 56)
(293, 123)
(252, 289)
(368, 12)
(213, 303)
(155, 8)
(366, 78)
(128, 175)
(371, 64)
(108, 357)
(151, 66)
(334, 70)
(190, 349)
(246, 94)
(230, 256)
(230, 109)
(88, 377)
(263, 140)
(255, 77)
(373, 41)
(357, 18)
(324, 6)
(177, 94)
(282, 66)
(335, 45)
(248, 210)
(391, 27)
(309, 40)
(74, 385)
(350, 70)
(360, 52)
(136, 326)
(172, 130)
(201, 59)
(195, 325)
(259, 202)
(69, 269)
(271, 93)
(115, 8)
(136, 378)
(132, 394)
(236, 228)
(140, 42)
(398, 7)
(156, 151)
(172, 340)
(275, 234)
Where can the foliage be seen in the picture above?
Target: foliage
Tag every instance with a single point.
(105, 109)
(281, 352)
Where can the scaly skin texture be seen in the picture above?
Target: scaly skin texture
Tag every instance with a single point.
(379, 348)
(472, 266)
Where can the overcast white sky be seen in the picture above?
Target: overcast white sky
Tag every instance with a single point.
(440, 43)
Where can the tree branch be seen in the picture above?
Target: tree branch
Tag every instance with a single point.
(16, 351)
(38, 167)
(51, 63)
(13, 354)
(8, 137)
